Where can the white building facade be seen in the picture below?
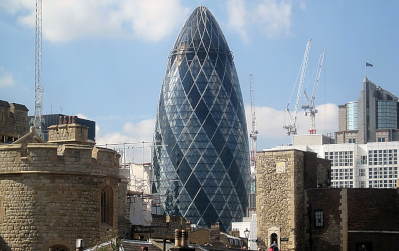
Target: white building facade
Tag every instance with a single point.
(371, 165)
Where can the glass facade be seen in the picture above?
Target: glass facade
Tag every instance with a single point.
(351, 116)
(387, 116)
(201, 157)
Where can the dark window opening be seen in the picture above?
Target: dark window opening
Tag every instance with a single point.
(107, 206)
(318, 217)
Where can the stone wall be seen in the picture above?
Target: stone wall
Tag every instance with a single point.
(280, 196)
(328, 237)
(353, 217)
(50, 195)
(68, 132)
(283, 176)
(13, 121)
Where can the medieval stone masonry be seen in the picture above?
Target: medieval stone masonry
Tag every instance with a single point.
(298, 210)
(54, 193)
(13, 121)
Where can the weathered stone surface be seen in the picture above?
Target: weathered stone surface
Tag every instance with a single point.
(52, 195)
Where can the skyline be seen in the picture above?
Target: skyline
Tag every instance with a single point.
(97, 56)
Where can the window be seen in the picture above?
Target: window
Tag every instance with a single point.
(2, 117)
(318, 218)
(340, 158)
(107, 206)
(363, 159)
(352, 140)
(381, 139)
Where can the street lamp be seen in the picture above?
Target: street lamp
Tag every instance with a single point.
(246, 233)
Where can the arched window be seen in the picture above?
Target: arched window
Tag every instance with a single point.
(107, 206)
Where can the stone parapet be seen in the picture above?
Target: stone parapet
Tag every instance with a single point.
(51, 195)
(82, 159)
(68, 133)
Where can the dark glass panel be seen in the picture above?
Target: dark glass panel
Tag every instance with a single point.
(210, 215)
(187, 83)
(201, 201)
(206, 40)
(201, 82)
(195, 67)
(194, 96)
(196, 40)
(183, 67)
(201, 111)
(201, 56)
(209, 126)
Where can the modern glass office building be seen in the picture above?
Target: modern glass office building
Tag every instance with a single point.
(201, 160)
(374, 117)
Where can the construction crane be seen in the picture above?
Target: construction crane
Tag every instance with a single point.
(310, 108)
(38, 119)
(291, 119)
(253, 135)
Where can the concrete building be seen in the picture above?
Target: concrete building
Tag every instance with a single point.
(298, 211)
(364, 152)
(371, 165)
(56, 192)
(201, 163)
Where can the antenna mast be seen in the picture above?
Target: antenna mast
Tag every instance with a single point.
(254, 136)
(38, 120)
(310, 104)
(291, 119)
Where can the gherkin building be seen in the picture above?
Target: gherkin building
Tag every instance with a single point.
(201, 156)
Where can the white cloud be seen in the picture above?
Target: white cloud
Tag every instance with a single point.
(6, 78)
(130, 140)
(275, 17)
(270, 124)
(272, 17)
(82, 116)
(65, 20)
(131, 133)
(237, 17)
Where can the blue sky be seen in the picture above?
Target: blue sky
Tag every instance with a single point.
(105, 60)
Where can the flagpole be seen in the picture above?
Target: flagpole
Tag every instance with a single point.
(365, 68)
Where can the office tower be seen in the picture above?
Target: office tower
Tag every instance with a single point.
(201, 157)
(372, 118)
(366, 152)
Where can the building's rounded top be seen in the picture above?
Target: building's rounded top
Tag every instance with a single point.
(201, 32)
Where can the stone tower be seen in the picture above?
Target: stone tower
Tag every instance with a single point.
(54, 193)
(283, 176)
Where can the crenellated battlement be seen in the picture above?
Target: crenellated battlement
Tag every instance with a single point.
(68, 131)
(63, 158)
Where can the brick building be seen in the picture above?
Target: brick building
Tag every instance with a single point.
(299, 211)
(54, 193)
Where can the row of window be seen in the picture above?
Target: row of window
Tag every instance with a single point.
(383, 157)
(375, 157)
(338, 184)
(341, 174)
(340, 158)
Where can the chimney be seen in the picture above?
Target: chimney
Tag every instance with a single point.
(184, 238)
(178, 238)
